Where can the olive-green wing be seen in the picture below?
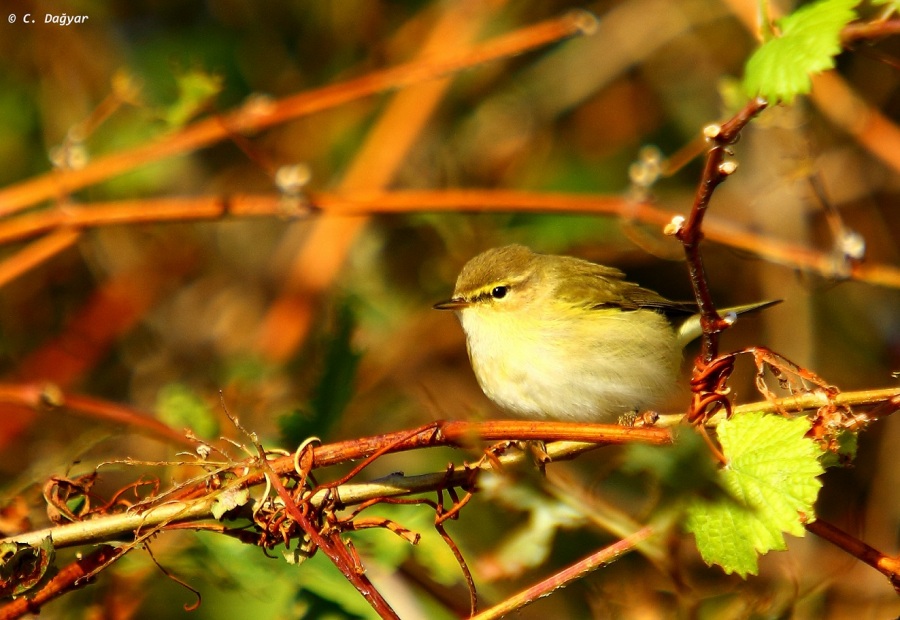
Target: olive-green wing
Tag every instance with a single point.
(597, 286)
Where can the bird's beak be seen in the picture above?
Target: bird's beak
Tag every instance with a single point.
(457, 303)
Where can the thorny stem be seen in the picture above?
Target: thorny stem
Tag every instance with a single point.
(715, 171)
(330, 544)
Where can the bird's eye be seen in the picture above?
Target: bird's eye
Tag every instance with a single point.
(499, 292)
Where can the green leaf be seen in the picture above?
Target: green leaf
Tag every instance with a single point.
(772, 479)
(529, 545)
(810, 39)
(667, 465)
(323, 588)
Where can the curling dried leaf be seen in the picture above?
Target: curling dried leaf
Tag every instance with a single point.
(22, 567)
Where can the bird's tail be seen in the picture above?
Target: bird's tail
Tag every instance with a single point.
(690, 329)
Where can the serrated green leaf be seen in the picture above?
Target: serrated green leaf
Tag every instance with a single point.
(810, 39)
(772, 478)
(722, 532)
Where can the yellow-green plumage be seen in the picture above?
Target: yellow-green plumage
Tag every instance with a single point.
(563, 338)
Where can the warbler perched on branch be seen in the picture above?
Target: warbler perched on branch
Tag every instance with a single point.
(567, 339)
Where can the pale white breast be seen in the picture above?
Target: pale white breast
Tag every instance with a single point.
(593, 369)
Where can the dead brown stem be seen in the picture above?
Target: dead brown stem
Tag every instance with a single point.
(330, 544)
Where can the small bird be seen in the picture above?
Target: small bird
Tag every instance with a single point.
(563, 338)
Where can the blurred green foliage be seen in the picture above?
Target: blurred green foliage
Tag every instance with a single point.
(334, 387)
(570, 117)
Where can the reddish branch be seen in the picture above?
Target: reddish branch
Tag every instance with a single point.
(65, 580)
(48, 398)
(708, 384)
(64, 222)
(885, 564)
(690, 234)
(453, 433)
(869, 31)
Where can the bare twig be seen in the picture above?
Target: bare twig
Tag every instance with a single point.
(868, 31)
(66, 221)
(885, 401)
(36, 253)
(884, 564)
(566, 576)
